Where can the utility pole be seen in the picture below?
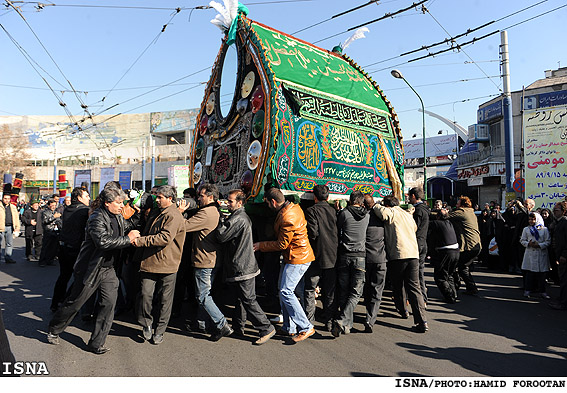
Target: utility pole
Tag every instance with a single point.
(507, 106)
(54, 166)
(153, 168)
(144, 166)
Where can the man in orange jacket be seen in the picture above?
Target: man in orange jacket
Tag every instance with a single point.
(291, 227)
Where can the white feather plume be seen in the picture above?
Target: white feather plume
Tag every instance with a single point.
(359, 33)
(232, 7)
(223, 17)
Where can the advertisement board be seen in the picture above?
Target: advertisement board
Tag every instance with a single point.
(545, 147)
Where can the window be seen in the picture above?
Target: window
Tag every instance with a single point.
(495, 134)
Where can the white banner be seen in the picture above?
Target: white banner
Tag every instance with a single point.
(436, 146)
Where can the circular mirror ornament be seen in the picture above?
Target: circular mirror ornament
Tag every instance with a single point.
(242, 106)
(253, 156)
(212, 123)
(204, 124)
(257, 99)
(197, 173)
(210, 104)
(199, 147)
(246, 181)
(248, 84)
(258, 124)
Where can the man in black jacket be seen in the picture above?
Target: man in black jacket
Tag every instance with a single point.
(34, 231)
(241, 267)
(74, 219)
(51, 221)
(421, 217)
(376, 265)
(560, 243)
(444, 250)
(95, 269)
(352, 223)
(322, 231)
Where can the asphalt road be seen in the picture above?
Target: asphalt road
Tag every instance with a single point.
(497, 334)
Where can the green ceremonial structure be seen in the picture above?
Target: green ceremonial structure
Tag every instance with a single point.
(282, 111)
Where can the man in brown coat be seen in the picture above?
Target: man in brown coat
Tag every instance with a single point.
(162, 246)
(291, 228)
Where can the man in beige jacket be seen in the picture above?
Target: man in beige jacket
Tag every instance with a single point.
(9, 226)
(162, 246)
(403, 259)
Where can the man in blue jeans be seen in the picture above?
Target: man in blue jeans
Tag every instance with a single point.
(352, 223)
(291, 228)
(204, 255)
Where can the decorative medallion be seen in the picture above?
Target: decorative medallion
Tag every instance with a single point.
(242, 106)
(253, 156)
(212, 123)
(246, 181)
(204, 124)
(199, 147)
(257, 99)
(223, 164)
(258, 124)
(197, 173)
(210, 104)
(248, 84)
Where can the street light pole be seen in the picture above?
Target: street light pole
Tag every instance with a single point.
(183, 148)
(398, 75)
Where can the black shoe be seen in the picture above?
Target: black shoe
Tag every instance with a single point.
(98, 351)
(557, 306)
(367, 328)
(147, 333)
(420, 327)
(238, 331)
(10, 260)
(336, 330)
(223, 332)
(158, 339)
(190, 327)
(404, 314)
(53, 338)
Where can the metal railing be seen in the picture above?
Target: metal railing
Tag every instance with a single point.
(477, 156)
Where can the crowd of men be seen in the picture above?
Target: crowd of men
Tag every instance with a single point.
(162, 249)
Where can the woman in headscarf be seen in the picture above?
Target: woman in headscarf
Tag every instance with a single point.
(536, 239)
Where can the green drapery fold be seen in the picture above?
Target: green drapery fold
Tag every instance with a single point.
(232, 31)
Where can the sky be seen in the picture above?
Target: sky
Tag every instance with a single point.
(118, 55)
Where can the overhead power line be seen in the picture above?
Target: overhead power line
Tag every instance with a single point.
(446, 83)
(177, 11)
(336, 16)
(452, 39)
(387, 15)
(449, 103)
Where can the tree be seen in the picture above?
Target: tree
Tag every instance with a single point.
(13, 152)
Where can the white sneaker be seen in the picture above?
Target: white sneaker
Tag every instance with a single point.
(277, 319)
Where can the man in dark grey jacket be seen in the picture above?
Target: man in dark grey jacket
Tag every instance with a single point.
(421, 218)
(352, 223)
(322, 231)
(560, 243)
(241, 267)
(95, 270)
(376, 265)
